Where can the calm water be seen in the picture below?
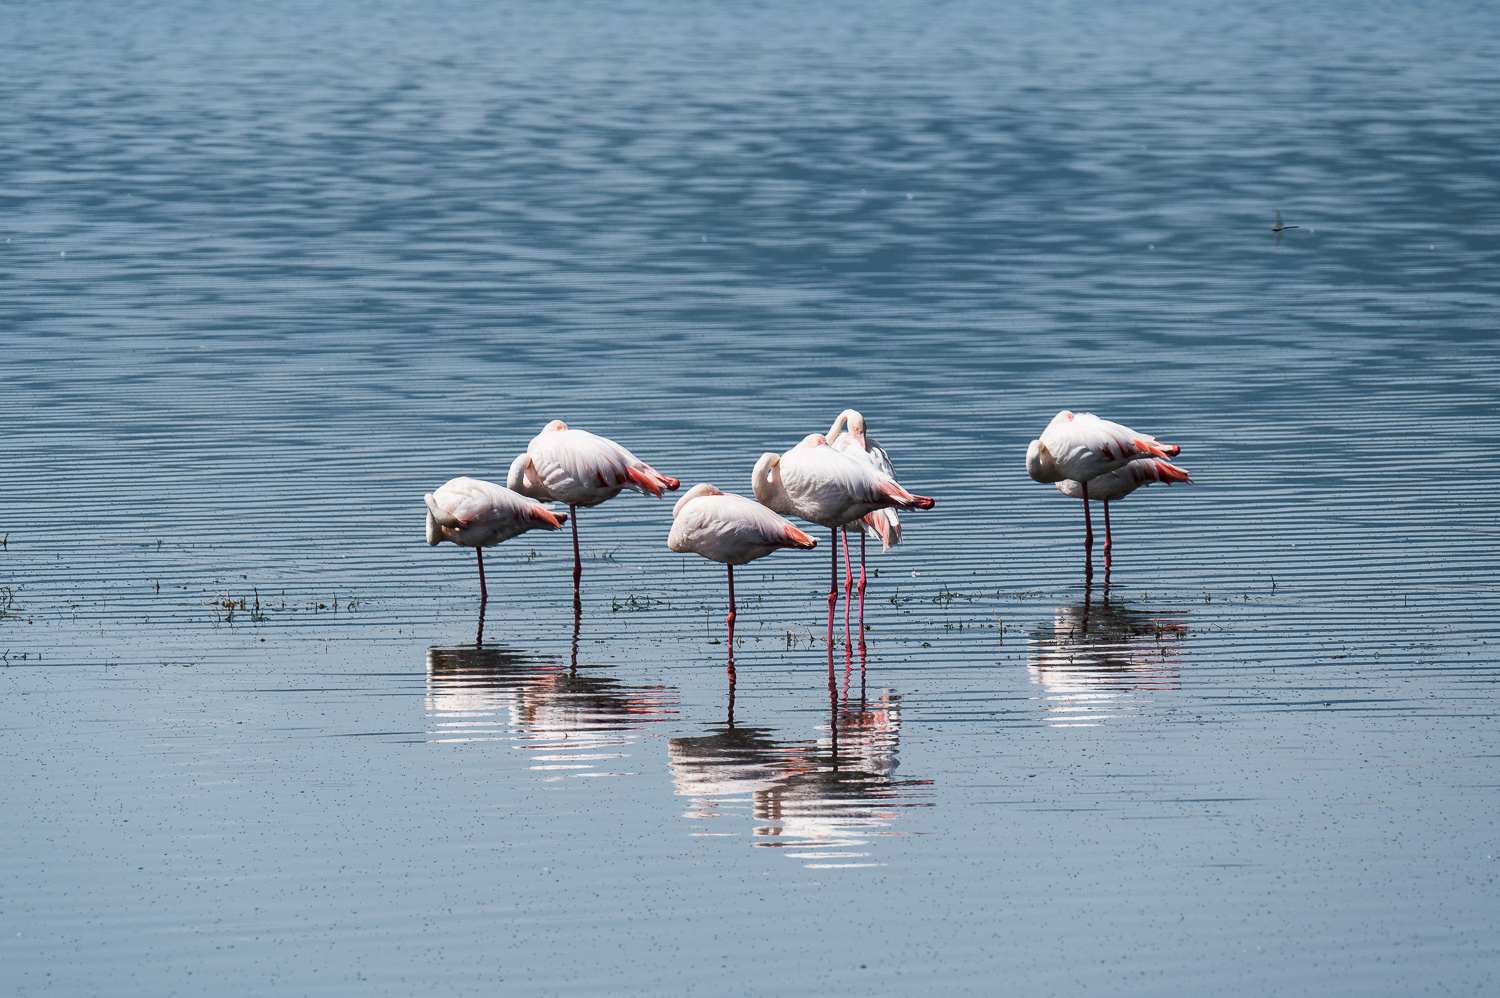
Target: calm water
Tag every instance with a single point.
(270, 273)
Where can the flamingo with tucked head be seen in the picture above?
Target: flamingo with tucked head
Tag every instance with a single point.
(817, 483)
(477, 514)
(1081, 447)
(581, 469)
(731, 530)
(883, 523)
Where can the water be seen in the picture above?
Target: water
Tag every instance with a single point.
(270, 274)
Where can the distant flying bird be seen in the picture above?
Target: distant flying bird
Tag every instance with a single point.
(476, 514)
(581, 469)
(1081, 446)
(1121, 482)
(883, 523)
(731, 530)
(1278, 228)
(817, 483)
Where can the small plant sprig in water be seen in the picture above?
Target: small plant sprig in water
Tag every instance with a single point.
(635, 603)
(8, 602)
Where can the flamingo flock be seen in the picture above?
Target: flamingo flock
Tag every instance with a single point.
(842, 481)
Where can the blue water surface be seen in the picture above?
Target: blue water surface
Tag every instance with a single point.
(271, 272)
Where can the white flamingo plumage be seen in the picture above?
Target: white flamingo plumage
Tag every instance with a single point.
(1081, 447)
(581, 469)
(1121, 482)
(817, 483)
(883, 523)
(731, 530)
(477, 514)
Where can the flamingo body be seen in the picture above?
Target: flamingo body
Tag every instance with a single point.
(1081, 446)
(581, 469)
(822, 486)
(478, 514)
(817, 483)
(730, 529)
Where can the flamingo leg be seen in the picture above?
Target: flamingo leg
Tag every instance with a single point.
(484, 595)
(833, 593)
(731, 610)
(1108, 543)
(1088, 534)
(862, 536)
(848, 583)
(577, 561)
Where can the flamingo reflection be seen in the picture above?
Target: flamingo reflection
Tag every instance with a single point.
(1097, 659)
(818, 799)
(571, 719)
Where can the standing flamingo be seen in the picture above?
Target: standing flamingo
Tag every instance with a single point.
(822, 486)
(1081, 446)
(731, 530)
(581, 469)
(883, 523)
(1120, 483)
(476, 514)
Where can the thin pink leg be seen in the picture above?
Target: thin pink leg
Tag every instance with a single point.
(1088, 534)
(833, 588)
(577, 561)
(861, 585)
(848, 583)
(731, 610)
(484, 594)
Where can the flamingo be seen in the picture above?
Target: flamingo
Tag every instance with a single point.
(580, 469)
(817, 483)
(1081, 446)
(1121, 482)
(731, 530)
(476, 514)
(883, 523)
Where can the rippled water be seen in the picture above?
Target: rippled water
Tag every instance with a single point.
(271, 273)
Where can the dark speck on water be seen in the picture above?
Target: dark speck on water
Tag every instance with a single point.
(271, 272)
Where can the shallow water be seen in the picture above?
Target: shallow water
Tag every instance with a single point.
(271, 274)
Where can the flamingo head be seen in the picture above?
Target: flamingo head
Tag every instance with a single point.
(765, 481)
(857, 427)
(1039, 463)
(522, 480)
(847, 417)
(701, 489)
(814, 440)
(555, 425)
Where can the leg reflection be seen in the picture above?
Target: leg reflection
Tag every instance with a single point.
(731, 687)
(833, 709)
(577, 624)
